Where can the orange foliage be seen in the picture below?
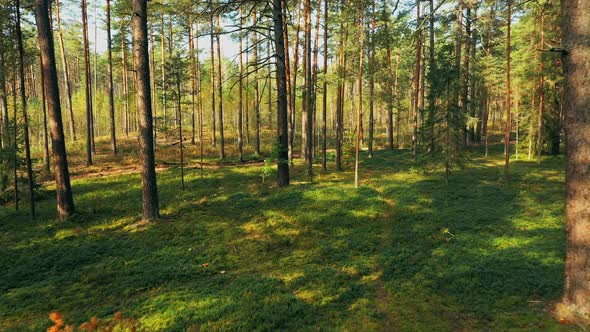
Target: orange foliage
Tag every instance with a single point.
(93, 325)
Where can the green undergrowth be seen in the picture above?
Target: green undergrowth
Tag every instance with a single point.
(404, 252)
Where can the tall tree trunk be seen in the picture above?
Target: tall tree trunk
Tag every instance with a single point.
(309, 83)
(472, 75)
(23, 99)
(288, 74)
(465, 86)
(179, 118)
(256, 90)
(281, 81)
(541, 92)
(360, 102)
(220, 87)
(4, 103)
(575, 27)
(110, 81)
(417, 82)
(212, 70)
(191, 54)
(151, 210)
(432, 72)
(65, 202)
(306, 94)
(241, 93)
(153, 81)
(314, 80)
(325, 89)
(88, 87)
(247, 110)
(295, 72)
(46, 156)
(199, 87)
(508, 100)
(372, 81)
(64, 63)
(125, 84)
(163, 74)
(15, 140)
(340, 96)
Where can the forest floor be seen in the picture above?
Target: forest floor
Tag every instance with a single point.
(403, 252)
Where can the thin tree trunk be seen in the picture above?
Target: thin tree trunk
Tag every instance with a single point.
(125, 85)
(417, 83)
(541, 93)
(360, 102)
(256, 91)
(372, 71)
(23, 99)
(88, 87)
(293, 91)
(220, 87)
(163, 74)
(191, 55)
(151, 209)
(153, 81)
(325, 89)
(508, 100)
(465, 88)
(65, 202)
(340, 96)
(241, 93)
(432, 79)
(15, 141)
(64, 62)
(308, 110)
(179, 117)
(199, 87)
(212, 70)
(110, 81)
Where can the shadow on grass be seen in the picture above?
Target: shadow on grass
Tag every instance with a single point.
(230, 255)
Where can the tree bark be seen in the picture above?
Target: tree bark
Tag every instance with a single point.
(65, 202)
(88, 86)
(46, 156)
(576, 27)
(281, 81)
(151, 209)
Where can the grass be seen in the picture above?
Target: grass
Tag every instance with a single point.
(403, 252)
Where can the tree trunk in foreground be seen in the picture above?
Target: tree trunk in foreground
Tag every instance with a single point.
(576, 29)
(151, 209)
(65, 202)
(281, 79)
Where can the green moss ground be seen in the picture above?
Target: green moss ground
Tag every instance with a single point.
(403, 252)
